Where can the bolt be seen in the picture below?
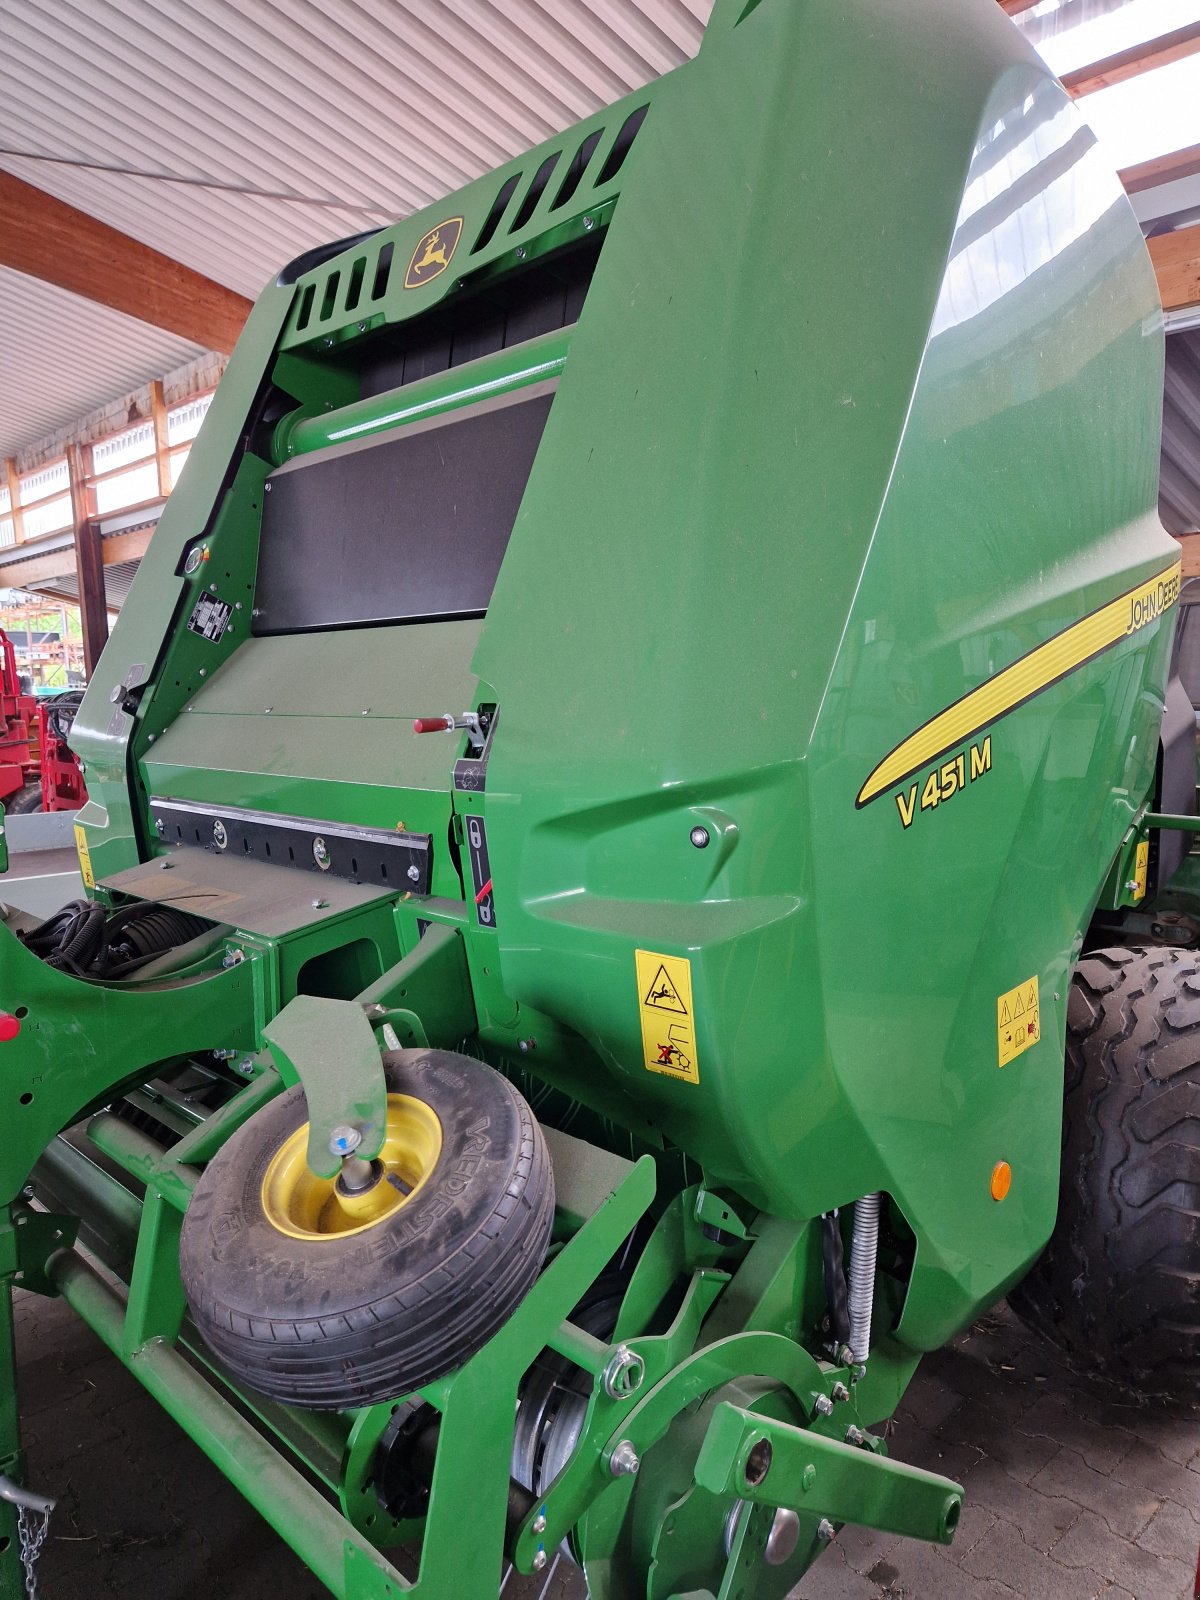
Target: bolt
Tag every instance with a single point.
(1131, 884)
(326, 344)
(589, 223)
(320, 852)
(527, 1046)
(840, 1391)
(224, 1055)
(362, 327)
(165, 866)
(520, 252)
(204, 672)
(152, 737)
(823, 1405)
(344, 1140)
(539, 1522)
(539, 1559)
(624, 1463)
(319, 905)
(246, 1066)
(116, 693)
(237, 605)
(855, 1435)
(825, 1529)
(267, 710)
(220, 837)
(366, 712)
(267, 487)
(233, 958)
(699, 837)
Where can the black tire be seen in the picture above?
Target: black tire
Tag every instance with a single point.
(343, 1321)
(1118, 1286)
(24, 800)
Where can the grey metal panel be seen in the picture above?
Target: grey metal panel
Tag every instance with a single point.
(1179, 482)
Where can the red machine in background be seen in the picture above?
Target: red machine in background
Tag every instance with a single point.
(62, 787)
(38, 771)
(20, 769)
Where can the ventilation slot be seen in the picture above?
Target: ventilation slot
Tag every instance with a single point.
(330, 297)
(536, 190)
(383, 271)
(354, 290)
(575, 172)
(621, 145)
(306, 305)
(499, 207)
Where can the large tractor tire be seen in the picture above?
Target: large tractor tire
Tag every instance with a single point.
(1118, 1286)
(24, 800)
(330, 1301)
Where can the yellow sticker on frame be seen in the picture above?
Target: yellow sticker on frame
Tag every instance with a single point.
(1141, 869)
(1018, 1020)
(85, 859)
(665, 1010)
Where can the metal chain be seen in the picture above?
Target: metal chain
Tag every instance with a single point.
(32, 1528)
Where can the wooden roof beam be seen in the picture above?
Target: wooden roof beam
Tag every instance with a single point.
(1176, 258)
(1161, 169)
(1131, 63)
(46, 238)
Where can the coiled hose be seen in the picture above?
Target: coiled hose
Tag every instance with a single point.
(88, 940)
(863, 1250)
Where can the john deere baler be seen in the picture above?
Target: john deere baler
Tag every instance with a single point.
(652, 670)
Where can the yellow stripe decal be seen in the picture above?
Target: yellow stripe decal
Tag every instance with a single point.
(1043, 666)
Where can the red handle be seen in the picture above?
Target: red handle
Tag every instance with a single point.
(443, 724)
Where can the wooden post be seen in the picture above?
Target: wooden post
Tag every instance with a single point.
(158, 410)
(89, 564)
(13, 480)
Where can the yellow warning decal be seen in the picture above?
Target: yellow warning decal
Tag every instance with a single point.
(1018, 1022)
(665, 1008)
(1082, 642)
(1141, 867)
(85, 859)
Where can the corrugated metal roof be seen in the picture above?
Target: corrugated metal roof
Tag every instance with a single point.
(62, 356)
(245, 131)
(351, 115)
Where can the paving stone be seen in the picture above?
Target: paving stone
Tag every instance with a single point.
(1173, 1531)
(831, 1579)
(1020, 1453)
(1124, 1509)
(1004, 1556)
(927, 1572)
(1091, 1544)
(862, 1548)
(1061, 1419)
(1041, 1518)
(1146, 1470)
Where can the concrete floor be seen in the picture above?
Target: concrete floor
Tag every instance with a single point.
(1070, 1495)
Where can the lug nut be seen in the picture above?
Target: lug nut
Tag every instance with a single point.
(624, 1463)
(823, 1405)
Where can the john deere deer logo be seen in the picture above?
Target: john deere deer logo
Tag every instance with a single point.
(434, 252)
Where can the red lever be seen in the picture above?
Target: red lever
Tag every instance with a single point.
(10, 1026)
(443, 724)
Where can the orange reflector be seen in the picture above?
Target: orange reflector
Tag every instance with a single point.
(1001, 1180)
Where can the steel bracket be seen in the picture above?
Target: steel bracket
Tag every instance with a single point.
(329, 1048)
(775, 1463)
(27, 1244)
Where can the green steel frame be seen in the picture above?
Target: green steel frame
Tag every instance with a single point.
(844, 698)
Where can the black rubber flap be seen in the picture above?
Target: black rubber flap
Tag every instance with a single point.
(410, 529)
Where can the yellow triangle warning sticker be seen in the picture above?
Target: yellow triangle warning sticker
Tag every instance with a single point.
(1013, 1037)
(662, 994)
(667, 1022)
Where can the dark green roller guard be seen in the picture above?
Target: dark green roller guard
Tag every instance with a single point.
(643, 741)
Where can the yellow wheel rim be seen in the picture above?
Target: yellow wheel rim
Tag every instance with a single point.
(304, 1206)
